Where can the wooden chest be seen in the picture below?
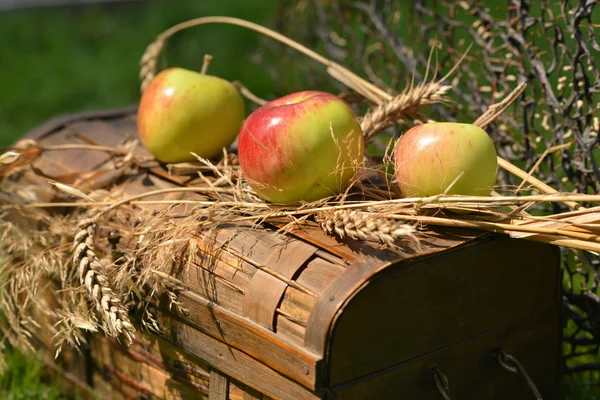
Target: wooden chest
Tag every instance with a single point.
(304, 316)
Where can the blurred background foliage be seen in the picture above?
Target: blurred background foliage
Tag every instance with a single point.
(71, 59)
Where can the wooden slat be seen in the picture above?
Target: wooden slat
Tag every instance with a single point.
(214, 288)
(57, 164)
(144, 373)
(238, 364)
(105, 133)
(319, 274)
(248, 337)
(61, 121)
(254, 243)
(311, 233)
(265, 291)
(294, 311)
(290, 330)
(219, 386)
(252, 394)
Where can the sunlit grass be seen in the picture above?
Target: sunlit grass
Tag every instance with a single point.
(23, 380)
(70, 60)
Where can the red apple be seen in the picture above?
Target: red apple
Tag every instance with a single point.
(301, 147)
(430, 157)
(183, 111)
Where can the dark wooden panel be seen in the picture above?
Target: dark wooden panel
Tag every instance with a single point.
(412, 310)
(337, 294)
(472, 369)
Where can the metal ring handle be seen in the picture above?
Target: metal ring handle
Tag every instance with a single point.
(511, 364)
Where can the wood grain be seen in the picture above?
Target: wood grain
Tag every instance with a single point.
(311, 233)
(144, 371)
(245, 336)
(54, 124)
(219, 386)
(264, 292)
(235, 363)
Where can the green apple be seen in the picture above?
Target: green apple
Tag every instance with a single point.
(183, 111)
(304, 146)
(429, 158)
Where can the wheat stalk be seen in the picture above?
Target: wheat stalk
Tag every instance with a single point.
(113, 314)
(360, 225)
(404, 105)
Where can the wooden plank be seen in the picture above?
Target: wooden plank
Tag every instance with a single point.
(105, 133)
(311, 233)
(135, 368)
(252, 394)
(319, 274)
(471, 366)
(165, 355)
(61, 121)
(215, 289)
(337, 294)
(111, 390)
(240, 391)
(219, 386)
(68, 163)
(236, 363)
(230, 330)
(292, 331)
(294, 312)
(440, 301)
(265, 291)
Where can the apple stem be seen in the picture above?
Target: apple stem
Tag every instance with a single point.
(206, 63)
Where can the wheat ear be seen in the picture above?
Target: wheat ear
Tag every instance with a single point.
(113, 314)
(149, 61)
(405, 105)
(360, 225)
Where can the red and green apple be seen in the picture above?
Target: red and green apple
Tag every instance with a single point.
(183, 111)
(304, 146)
(431, 157)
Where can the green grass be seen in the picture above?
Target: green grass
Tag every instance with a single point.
(22, 380)
(68, 60)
